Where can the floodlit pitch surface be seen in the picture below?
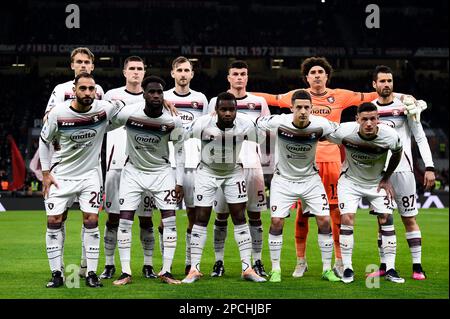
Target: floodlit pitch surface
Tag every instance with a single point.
(25, 271)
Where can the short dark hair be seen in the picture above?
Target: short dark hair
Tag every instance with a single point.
(133, 58)
(225, 96)
(152, 79)
(366, 107)
(83, 75)
(380, 69)
(311, 62)
(179, 60)
(301, 94)
(238, 64)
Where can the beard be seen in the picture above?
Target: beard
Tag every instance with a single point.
(385, 92)
(86, 101)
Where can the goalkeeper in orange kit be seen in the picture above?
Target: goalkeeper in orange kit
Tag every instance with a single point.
(329, 103)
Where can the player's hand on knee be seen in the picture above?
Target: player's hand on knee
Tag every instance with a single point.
(387, 186)
(47, 181)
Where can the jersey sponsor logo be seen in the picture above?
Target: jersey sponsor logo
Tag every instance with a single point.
(83, 136)
(186, 117)
(298, 148)
(321, 110)
(146, 140)
(363, 157)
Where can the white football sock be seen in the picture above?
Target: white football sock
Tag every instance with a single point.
(244, 242)
(169, 242)
(188, 249)
(389, 245)
(110, 241)
(53, 240)
(83, 262)
(124, 244)
(256, 232)
(346, 241)
(326, 248)
(220, 235)
(92, 248)
(148, 244)
(414, 240)
(275, 245)
(198, 240)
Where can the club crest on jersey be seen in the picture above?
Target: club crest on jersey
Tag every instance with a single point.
(251, 106)
(194, 105)
(330, 99)
(395, 112)
(163, 127)
(95, 118)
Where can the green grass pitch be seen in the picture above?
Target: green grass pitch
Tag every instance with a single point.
(25, 270)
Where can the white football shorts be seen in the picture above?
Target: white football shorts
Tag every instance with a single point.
(134, 183)
(284, 193)
(206, 185)
(350, 194)
(404, 185)
(88, 191)
(254, 181)
(112, 189)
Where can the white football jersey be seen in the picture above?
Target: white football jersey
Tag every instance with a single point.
(253, 106)
(116, 140)
(365, 159)
(79, 137)
(64, 91)
(190, 107)
(148, 138)
(220, 149)
(296, 147)
(393, 115)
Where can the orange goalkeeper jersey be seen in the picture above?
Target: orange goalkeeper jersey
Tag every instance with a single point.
(330, 105)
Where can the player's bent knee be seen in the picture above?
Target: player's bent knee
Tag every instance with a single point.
(113, 219)
(54, 225)
(347, 219)
(254, 215)
(410, 222)
(222, 216)
(55, 219)
(385, 219)
(167, 213)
